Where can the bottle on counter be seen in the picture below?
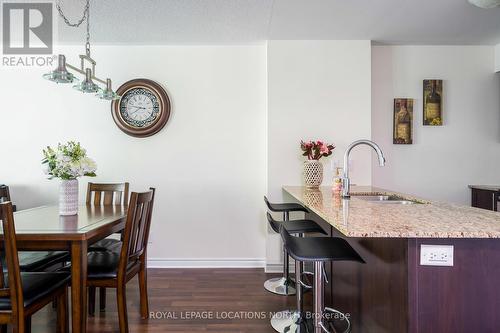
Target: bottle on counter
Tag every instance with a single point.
(337, 182)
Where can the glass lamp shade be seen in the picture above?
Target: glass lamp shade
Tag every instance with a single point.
(87, 85)
(60, 74)
(486, 4)
(108, 93)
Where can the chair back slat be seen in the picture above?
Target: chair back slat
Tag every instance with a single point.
(107, 194)
(118, 198)
(14, 289)
(108, 198)
(136, 234)
(97, 198)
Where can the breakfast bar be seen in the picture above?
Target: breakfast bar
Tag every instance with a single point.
(400, 289)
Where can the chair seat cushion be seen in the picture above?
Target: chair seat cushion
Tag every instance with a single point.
(296, 226)
(104, 265)
(320, 249)
(106, 244)
(37, 285)
(32, 261)
(287, 207)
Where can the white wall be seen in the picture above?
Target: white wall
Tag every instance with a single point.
(497, 58)
(208, 164)
(316, 90)
(443, 160)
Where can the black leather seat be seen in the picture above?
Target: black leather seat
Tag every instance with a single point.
(295, 226)
(285, 207)
(35, 261)
(102, 265)
(106, 244)
(37, 285)
(319, 248)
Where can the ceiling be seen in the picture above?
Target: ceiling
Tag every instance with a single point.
(253, 21)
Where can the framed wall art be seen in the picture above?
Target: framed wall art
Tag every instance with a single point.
(403, 121)
(432, 102)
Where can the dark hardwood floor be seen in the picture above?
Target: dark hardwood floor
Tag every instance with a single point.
(176, 293)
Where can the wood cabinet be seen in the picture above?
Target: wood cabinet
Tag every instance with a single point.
(485, 197)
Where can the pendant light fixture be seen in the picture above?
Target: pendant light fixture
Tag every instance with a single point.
(486, 4)
(62, 74)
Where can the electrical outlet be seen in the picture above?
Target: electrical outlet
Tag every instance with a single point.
(436, 255)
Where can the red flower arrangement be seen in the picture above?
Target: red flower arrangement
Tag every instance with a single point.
(314, 150)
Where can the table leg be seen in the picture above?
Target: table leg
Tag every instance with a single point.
(79, 286)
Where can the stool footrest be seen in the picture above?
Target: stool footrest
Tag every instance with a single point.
(342, 316)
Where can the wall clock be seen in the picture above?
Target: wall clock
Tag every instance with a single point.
(143, 109)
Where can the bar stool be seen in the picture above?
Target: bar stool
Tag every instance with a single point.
(285, 318)
(283, 285)
(317, 250)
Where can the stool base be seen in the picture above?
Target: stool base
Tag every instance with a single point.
(334, 317)
(289, 321)
(280, 286)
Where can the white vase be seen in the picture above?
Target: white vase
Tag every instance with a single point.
(68, 197)
(313, 173)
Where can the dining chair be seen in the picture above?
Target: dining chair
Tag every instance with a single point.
(99, 194)
(24, 293)
(111, 269)
(33, 261)
(5, 195)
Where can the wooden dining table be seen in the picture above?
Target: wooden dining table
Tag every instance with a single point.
(43, 229)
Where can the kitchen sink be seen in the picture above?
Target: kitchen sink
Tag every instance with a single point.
(388, 199)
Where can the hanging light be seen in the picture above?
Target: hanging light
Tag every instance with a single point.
(87, 85)
(62, 73)
(108, 93)
(486, 4)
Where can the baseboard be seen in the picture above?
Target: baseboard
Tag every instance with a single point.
(207, 263)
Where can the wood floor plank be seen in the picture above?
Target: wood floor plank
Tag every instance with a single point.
(177, 296)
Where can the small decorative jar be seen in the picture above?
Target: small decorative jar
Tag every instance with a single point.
(313, 173)
(68, 197)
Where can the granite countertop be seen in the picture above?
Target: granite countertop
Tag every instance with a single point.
(495, 188)
(359, 218)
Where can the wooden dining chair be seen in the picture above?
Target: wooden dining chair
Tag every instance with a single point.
(111, 269)
(99, 194)
(104, 194)
(107, 194)
(33, 261)
(5, 195)
(23, 294)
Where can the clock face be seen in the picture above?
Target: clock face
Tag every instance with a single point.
(143, 108)
(139, 108)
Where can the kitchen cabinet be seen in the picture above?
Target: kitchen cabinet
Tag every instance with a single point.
(485, 196)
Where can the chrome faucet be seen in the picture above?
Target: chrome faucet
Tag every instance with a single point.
(346, 183)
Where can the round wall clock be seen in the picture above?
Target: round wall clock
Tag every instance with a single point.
(143, 108)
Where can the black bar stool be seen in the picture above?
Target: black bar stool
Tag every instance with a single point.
(317, 250)
(286, 318)
(283, 285)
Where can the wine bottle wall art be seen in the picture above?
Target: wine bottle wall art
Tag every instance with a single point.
(433, 102)
(403, 121)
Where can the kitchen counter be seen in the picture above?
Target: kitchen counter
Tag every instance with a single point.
(359, 218)
(393, 292)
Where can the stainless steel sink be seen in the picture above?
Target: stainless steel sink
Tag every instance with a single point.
(387, 199)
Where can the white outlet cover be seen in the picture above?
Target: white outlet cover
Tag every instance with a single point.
(436, 255)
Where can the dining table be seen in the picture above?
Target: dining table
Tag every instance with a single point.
(43, 229)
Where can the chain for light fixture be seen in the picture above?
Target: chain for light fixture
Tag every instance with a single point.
(61, 73)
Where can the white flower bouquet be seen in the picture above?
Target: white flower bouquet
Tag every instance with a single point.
(68, 161)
